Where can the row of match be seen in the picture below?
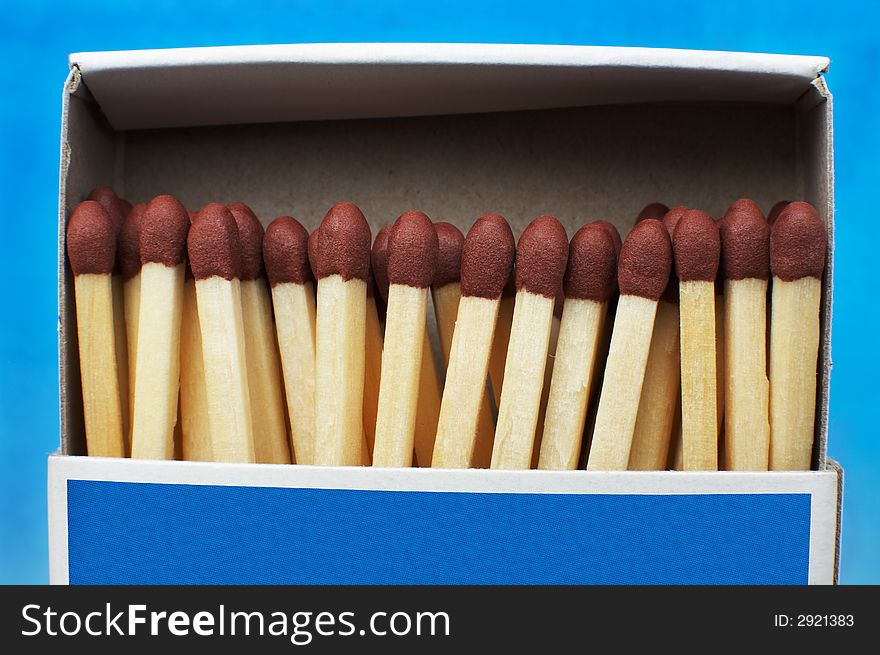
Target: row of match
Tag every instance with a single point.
(204, 337)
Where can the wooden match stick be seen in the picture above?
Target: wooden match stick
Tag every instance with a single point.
(128, 256)
(91, 250)
(486, 263)
(430, 392)
(446, 293)
(590, 280)
(655, 210)
(164, 228)
(776, 210)
(498, 358)
(745, 268)
(215, 259)
(697, 251)
(342, 266)
(377, 299)
(797, 261)
(271, 444)
(541, 256)
(285, 254)
(659, 400)
(195, 427)
(107, 198)
(643, 272)
(412, 259)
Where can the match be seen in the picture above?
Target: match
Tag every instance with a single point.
(541, 257)
(286, 258)
(91, 250)
(412, 259)
(655, 210)
(797, 261)
(164, 228)
(446, 294)
(271, 444)
(643, 273)
(215, 259)
(697, 247)
(128, 256)
(116, 210)
(195, 427)
(486, 263)
(745, 267)
(342, 263)
(498, 358)
(590, 281)
(660, 390)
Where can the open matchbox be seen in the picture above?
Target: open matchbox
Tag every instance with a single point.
(456, 131)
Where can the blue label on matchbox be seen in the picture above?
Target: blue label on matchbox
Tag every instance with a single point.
(140, 533)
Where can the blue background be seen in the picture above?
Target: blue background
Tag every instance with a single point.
(37, 36)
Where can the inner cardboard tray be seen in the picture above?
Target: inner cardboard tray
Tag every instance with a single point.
(576, 163)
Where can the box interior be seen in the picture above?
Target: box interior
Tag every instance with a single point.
(578, 163)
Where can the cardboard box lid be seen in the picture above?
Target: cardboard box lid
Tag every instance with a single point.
(257, 84)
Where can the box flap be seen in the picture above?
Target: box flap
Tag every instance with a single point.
(276, 83)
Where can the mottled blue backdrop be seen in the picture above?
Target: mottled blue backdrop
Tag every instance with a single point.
(38, 35)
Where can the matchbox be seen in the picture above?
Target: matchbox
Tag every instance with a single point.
(581, 133)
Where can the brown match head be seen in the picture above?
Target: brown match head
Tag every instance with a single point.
(126, 207)
(697, 247)
(654, 210)
(286, 252)
(776, 210)
(129, 247)
(107, 198)
(213, 244)
(91, 239)
(592, 265)
(671, 218)
(797, 243)
(541, 256)
(250, 234)
(412, 251)
(613, 232)
(379, 261)
(745, 242)
(645, 260)
(487, 258)
(344, 244)
(164, 226)
(449, 244)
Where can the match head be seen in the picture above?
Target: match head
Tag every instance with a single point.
(313, 251)
(487, 258)
(213, 243)
(107, 198)
(164, 228)
(592, 265)
(776, 210)
(745, 242)
(286, 252)
(449, 244)
(654, 210)
(613, 232)
(645, 260)
(250, 234)
(129, 243)
(379, 261)
(126, 206)
(91, 239)
(671, 218)
(344, 245)
(541, 256)
(412, 251)
(798, 243)
(697, 247)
